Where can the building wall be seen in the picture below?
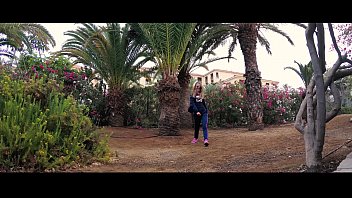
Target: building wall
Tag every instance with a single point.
(224, 76)
(143, 81)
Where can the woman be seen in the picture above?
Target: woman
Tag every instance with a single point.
(200, 113)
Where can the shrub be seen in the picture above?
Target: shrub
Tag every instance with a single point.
(58, 71)
(226, 104)
(40, 131)
(143, 107)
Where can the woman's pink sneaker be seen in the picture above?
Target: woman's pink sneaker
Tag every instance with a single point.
(194, 141)
(206, 142)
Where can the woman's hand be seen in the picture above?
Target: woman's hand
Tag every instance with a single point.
(199, 114)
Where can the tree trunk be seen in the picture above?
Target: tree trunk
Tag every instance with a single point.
(313, 161)
(116, 120)
(169, 97)
(116, 104)
(247, 37)
(185, 117)
(313, 129)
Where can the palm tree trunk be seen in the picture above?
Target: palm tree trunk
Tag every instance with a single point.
(247, 37)
(116, 104)
(185, 117)
(169, 97)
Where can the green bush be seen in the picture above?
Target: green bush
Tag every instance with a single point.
(346, 110)
(143, 107)
(58, 73)
(44, 131)
(226, 106)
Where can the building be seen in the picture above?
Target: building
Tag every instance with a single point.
(80, 67)
(149, 78)
(224, 76)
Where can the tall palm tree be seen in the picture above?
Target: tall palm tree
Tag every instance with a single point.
(206, 37)
(247, 35)
(168, 42)
(20, 36)
(110, 51)
(305, 72)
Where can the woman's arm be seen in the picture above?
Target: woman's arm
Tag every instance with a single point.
(193, 106)
(205, 104)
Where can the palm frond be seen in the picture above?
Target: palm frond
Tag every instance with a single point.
(168, 42)
(295, 70)
(276, 30)
(204, 63)
(264, 42)
(107, 49)
(29, 35)
(301, 25)
(305, 72)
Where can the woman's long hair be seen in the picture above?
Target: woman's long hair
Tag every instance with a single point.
(195, 90)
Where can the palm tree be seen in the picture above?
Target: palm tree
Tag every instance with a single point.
(168, 42)
(20, 36)
(247, 35)
(110, 51)
(205, 39)
(305, 72)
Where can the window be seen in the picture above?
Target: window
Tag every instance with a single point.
(206, 80)
(199, 80)
(217, 75)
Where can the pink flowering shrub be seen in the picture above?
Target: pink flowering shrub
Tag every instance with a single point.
(77, 83)
(281, 104)
(226, 104)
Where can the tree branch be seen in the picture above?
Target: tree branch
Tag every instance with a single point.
(320, 107)
(309, 94)
(342, 73)
(334, 40)
(337, 103)
(311, 45)
(333, 74)
(345, 67)
(348, 60)
(321, 46)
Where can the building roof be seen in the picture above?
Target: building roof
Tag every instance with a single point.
(217, 70)
(235, 75)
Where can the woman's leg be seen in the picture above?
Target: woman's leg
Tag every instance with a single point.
(197, 120)
(205, 125)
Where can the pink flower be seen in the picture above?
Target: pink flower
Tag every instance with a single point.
(270, 104)
(283, 110)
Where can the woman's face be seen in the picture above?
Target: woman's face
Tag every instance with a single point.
(198, 87)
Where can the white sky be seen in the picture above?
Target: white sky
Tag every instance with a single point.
(271, 66)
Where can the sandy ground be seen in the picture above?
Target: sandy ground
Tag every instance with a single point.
(274, 149)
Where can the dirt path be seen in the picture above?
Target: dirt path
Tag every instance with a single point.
(274, 149)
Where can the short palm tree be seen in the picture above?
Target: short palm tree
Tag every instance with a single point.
(206, 37)
(110, 51)
(247, 35)
(20, 36)
(305, 72)
(168, 42)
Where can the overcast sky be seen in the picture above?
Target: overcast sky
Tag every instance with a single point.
(271, 66)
